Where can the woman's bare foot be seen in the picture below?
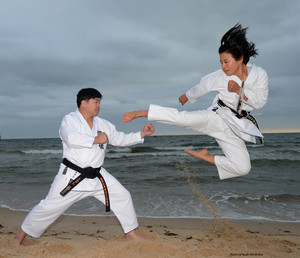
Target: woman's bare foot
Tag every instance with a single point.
(203, 154)
(133, 236)
(129, 116)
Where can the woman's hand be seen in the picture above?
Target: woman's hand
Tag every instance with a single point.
(234, 87)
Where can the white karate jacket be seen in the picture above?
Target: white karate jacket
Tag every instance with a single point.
(77, 139)
(255, 88)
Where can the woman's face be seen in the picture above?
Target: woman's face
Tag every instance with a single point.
(230, 66)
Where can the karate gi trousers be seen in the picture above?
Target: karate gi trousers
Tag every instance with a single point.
(49, 209)
(236, 161)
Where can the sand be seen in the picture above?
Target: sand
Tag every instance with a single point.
(86, 236)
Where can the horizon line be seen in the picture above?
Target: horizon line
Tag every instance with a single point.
(169, 134)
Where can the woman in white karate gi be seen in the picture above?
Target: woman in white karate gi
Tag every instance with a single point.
(241, 87)
(85, 137)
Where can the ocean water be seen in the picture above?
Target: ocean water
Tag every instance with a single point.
(163, 180)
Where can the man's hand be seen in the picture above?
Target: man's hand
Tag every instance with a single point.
(101, 138)
(183, 99)
(148, 130)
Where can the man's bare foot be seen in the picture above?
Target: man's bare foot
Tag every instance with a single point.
(18, 239)
(133, 236)
(203, 154)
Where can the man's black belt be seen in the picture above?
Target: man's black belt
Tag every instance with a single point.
(243, 114)
(88, 172)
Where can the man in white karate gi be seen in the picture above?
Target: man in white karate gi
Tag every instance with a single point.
(85, 137)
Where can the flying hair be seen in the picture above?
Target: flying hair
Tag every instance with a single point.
(235, 42)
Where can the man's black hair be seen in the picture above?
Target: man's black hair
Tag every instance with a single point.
(87, 94)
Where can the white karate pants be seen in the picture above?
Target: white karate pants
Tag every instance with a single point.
(236, 161)
(49, 209)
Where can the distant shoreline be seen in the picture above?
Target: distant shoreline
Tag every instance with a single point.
(171, 134)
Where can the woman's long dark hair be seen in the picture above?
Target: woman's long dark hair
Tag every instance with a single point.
(235, 42)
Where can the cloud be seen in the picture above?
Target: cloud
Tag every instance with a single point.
(135, 53)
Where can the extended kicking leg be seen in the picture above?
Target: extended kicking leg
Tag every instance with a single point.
(128, 116)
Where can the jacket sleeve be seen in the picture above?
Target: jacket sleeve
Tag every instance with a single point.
(71, 136)
(117, 138)
(211, 82)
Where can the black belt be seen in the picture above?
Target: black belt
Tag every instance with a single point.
(244, 114)
(88, 172)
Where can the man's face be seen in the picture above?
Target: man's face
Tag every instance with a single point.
(92, 106)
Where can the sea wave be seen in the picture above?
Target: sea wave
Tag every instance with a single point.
(115, 155)
(143, 149)
(157, 151)
(11, 152)
(45, 151)
(158, 185)
(275, 162)
(287, 198)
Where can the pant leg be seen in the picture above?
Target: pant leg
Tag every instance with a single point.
(48, 210)
(236, 161)
(121, 204)
(198, 121)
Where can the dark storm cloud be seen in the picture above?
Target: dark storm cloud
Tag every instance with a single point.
(135, 53)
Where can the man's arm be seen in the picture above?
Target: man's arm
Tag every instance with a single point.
(117, 138)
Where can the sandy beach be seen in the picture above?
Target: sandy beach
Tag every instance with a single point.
(82, 236)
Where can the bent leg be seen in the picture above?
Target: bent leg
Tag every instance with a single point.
(47, 211)
(236, 161)
(203, 154)
(122, 206)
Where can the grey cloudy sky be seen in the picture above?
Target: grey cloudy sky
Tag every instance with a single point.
(136, 53)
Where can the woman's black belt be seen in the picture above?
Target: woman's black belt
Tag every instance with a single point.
(244, 114)
(88, 172)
